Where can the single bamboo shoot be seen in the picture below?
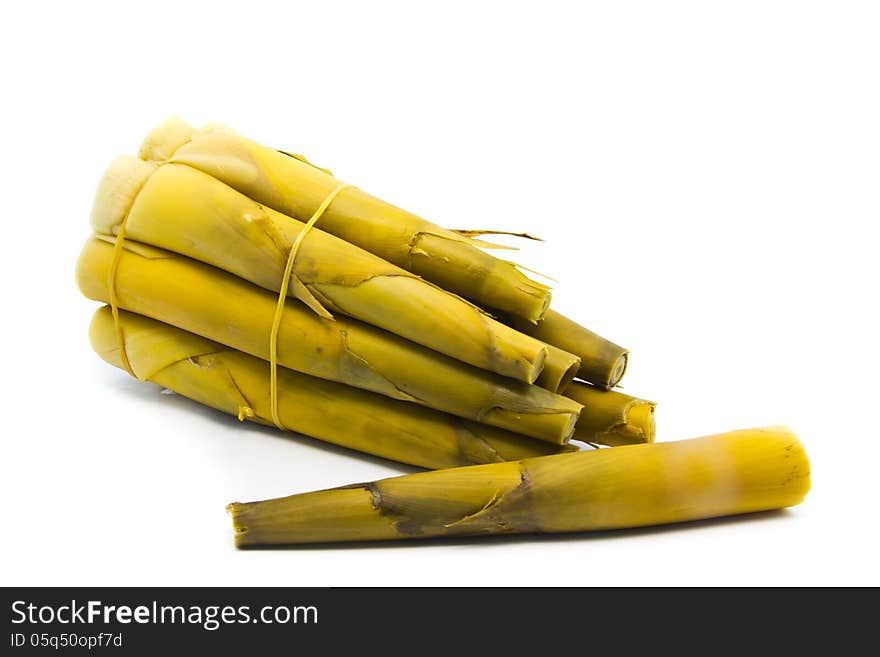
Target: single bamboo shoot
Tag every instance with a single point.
(632, 486)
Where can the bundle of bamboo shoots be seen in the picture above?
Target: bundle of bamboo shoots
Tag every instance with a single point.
(256, 283)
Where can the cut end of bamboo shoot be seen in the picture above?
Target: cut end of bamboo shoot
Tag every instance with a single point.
(641, 415)
(568, 376)
(544, 307)
(534, 364)
(618, 370)
(117, 191)
(232, 510)
(165, 139)
(612, 418)
(560, 368)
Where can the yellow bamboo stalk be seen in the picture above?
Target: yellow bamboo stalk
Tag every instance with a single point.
(179, 208)
(603, 363)
(296, 188)
(633, 486)
(222, 307)
(610, 417)
(235, 383)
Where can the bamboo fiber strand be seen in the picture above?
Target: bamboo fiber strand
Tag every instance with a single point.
(282, 298)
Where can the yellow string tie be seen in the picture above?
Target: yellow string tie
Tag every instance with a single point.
(114, 301)
(282, 297)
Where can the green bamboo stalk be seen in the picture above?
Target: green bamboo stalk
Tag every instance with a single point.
(610, 417)
(236, 383)
(222, 307)
(296, 188)
(179, 208)
(632, 486)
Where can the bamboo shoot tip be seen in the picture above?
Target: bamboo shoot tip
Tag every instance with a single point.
(117, 191)
(618, 370)
(161, 144)
(566, 379)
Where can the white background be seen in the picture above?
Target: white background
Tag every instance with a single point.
(705, 176)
